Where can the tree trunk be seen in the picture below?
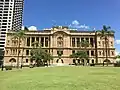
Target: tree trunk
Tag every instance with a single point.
(22, 58)
(85, 61)
(106, 50)
(49, 49)
(18, 53)
(96, 49)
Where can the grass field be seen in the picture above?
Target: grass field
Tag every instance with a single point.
(61, 78)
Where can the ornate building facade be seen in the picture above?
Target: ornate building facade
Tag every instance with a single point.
(59, 38)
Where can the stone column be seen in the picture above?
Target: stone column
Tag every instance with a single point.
(35, 39)
(25, 43)
(89, 53)
(40, 41)
(44, 42)
(70, 42)
(89, 42)
(51, 43)
(75, 42)
(80, 42)
(30, 41)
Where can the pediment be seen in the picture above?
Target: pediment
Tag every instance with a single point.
(60, 33)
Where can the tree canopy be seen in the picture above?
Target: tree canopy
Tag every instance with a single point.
(40, 55)
(80, 55)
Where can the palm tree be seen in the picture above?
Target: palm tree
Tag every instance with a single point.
(105, 33)
(26, 29)
(20, 36)
(36, 44)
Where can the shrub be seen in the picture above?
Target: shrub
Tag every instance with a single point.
(8, 67)
(116, 64)
(92, 64)
(31, 66)
(25, 65)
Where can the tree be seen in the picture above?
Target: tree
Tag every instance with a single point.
(47, 57)
(20, 36)
(1, 56)
(26, 29)
(118, 56)
(74, 56)
(84, 44)
(83, 53)
(1, 59)
(105, 33)
(80, 54)
(39, 55)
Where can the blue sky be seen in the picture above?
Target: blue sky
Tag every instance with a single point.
(85, 13)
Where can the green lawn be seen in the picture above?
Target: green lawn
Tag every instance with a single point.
(61, 78)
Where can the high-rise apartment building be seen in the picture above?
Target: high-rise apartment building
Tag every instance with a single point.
(10, 17)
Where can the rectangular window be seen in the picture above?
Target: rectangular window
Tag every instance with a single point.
(92, 53)
(103, 43)
(73, 42)
(26, 60)
(37, 39)
(78, 42)
(33, 40)
(2, 42)
(88, 53)
(111, 44)
(46, 41)
(103, 53)
(87, 39)
(4, 23)
(60, 52)
(42, 41)
(27, 52)
(13, 51)
(92, 42)
(82, 40)
(100, 53)
(99, 43)
(46, 50)
(112, 53)
(73, 51)
(28, 41)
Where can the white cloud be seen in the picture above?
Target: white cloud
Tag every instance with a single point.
(117, 41)
(76, 24)
(32, 28)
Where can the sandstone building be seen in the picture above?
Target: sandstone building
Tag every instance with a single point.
(59, 38)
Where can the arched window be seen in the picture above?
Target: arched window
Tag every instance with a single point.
(60, 42)
(12, 60)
